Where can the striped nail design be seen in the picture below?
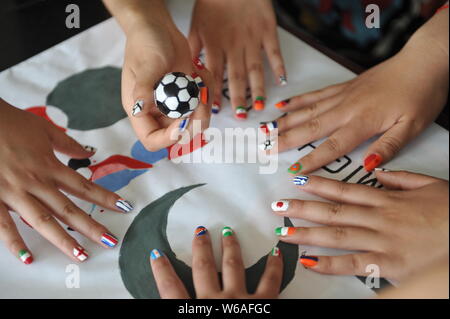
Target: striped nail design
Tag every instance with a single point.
(267, 145)
(200, 231)
(301, 180)
(282, 104)
(227, 231)
(198, 80)
(25, 257)
(215, 108)
(295, 168)
(285, 231)
(109, 240)
(155, 254)
(378, 169)
(372, 161)
(80, 253)
(275, 251)
(308, 261)
(268, 127)
(283, 80)
(260, 103)
(280, 206)
(183, 125)
(89, 148)
(199, 64)
(124, 205)
(138, 107)
(241, 113)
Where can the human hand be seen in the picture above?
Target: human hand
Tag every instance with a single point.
(31, 178)
(233, 33)
(206, 280)
(402, 229)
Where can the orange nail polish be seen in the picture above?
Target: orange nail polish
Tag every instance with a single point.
(372, 161)
(282, 104)
(259, 103)
(204, 95)
(308, 261)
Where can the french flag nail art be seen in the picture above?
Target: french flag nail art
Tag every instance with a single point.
(109, 240)
(124, 205)
(200, 231)
(155, 254)
(215, 108)
(80, 253)
(285, 231)
(268, 127)
(280, 206)
(301, 180)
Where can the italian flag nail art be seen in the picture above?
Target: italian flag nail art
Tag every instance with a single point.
(25, 257)
(275, 251)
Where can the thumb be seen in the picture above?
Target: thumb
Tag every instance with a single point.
(63, 143)
(403, 180)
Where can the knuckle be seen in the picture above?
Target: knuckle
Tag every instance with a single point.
(355, 263)
(340, 233)
(333, 145)
(342, 190)
(86, 186)
(391, 144)
(69, 209)
(203, 263)
(42, 220)
(312, 110)
(314, 126)
(233, 262)
(255, 67)
(5, 227)
(333, 212)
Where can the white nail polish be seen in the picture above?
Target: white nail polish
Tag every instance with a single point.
(283, 80)
(80, 253)
(380, 169)
(267, 145)
(90, 148)
(280, 206)
(138, 107)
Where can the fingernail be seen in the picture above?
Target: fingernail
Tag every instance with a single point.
(89, 148)
(227, 231)
(241, 113)
(283, 80)
(280, 206)
(379, 169)
(155, 254)
(25, 257)
(215, 108)
(372, 161)
(268, 127)
(295, 168)
(204, 95)
(109, 240)
(80, 253)
(282, 104)
(198, 80)
(275, 251)
(200, 231)
(267, 145)
(199, 64)
(301, 180)
(183, 125)
(309, 261)
(260, 103)
(124, 205)
(138, 107)
(285, 231)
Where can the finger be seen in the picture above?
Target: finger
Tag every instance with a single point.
(341, 192)
(403, 180)
(233, 272)
(389, 144)
(71, 215)
(204, 271)
(75, 184)
(63, 143)
(349, 238)
(237, 83)
(272, 48)
(10, 235)
(215, 64)
(195, 42)
(270, 283)
(169, 284)
(255, 71)
(300, 101)
(332, 214)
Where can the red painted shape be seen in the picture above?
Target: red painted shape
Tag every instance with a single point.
(372, 161)
(114, 164)
(42, 112)
(178, 150)
(347, 21)
(280, 204)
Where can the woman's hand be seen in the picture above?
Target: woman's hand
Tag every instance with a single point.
(206, 280)
(31, 181)
(402, 229)
(233, 33)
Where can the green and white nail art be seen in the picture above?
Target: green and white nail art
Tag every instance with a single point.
(227, 231)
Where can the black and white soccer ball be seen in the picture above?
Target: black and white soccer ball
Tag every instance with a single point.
(177, 95)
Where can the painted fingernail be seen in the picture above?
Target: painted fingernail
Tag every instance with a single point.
(283, 80)
(198, 80)
(260, 103)
(215, 108)
(308, 261)
(268, 127)
(25, 257)
(89, 148)
(109, 240)
(285, 231)
(124, 205)
(295, 168)
(199, 64)
(275, 251)
(380, 169)
(241, 113)
(282, 104)
(80, 253)
(183, 125)
(138, 107)
(280, 206)
(301, 180)
(155, 254)
(372, 161)
(200, 231)
(267, 145)
(204, 95)
(227, 231)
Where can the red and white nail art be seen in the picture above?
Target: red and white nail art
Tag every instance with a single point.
(199, 64)
(80, 253)
(280, 206)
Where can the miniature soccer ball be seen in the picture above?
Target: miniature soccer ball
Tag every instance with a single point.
(177, 95)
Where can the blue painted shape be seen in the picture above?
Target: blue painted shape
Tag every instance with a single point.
(139, 152)
(118, 180)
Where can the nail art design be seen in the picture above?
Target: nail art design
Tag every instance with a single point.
(199, 64)
(267, 145)
(268, 127)
(372, 161)
(378, 169)
(283, 80)
(275, 251)
(200, 231)
(138, 107)
(241, 113)
(204, 95)
(25, 257)
(295, 168)
(183, 125)
(260, 103)
(215, 108)
(80, 253)
(308, 261)
(109, 240)
(301, 180)
(89, 148)
(227, 231)
(285, 231)
(124, 205)
(155, 254)
(198, 80)
(282, 104)
(280, 206)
